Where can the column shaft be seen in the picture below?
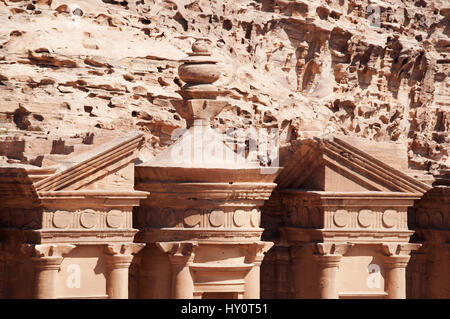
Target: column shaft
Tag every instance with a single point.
(182, 283)
(328, 267)
(117, 281)
(396, 276)
(298, 273)
(252, 282)
(46, 271)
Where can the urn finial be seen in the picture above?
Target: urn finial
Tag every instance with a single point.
(199, 71)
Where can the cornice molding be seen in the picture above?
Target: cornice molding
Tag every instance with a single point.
(86, 166)
(355, 164)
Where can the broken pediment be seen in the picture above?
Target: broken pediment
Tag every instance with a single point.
(332, 164)
(107, 167)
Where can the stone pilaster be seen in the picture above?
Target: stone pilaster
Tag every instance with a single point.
(299, 254)
(255, 255)
(2, 273)
(396, 258)
(328, 257)
(13, 262)
(416, 273)
(46, 259)
(118, 260)
(181, 254)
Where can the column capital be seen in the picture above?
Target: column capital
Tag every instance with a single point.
(396, 261)
(180, 253)
(123, 249)
(396, 249)
(47, 263)
(257, 251)
(331, 249)
(121, 255)
(46, 250)
(328, 261)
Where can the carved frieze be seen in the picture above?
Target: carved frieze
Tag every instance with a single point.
(20, 218)
(87, 219)
(158, 217)
(304, 212)
(433, 217)
(366, 218)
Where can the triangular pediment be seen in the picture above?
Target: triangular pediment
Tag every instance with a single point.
(200, 147)
(331, 164)
(107, 167)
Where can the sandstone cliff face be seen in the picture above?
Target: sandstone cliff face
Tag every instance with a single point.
(74, 73)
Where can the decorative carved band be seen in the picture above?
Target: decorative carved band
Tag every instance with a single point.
(46, 250)
(257, 251)
(88, 219)
(179, 252)
(218, 218)
(354, 218)
(331, 249)
(395, 249)
(124, 249)
(433, 217)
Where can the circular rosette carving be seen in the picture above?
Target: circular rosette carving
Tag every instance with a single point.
(62, 219)
(255, 218)
(341, 218)
(423, 219)
(239, 218)
(390, 218)
(437, 219)
(114, 218)
(88, 218)
(365, 218)
(217, 218)
(192, 217)
(168, 217)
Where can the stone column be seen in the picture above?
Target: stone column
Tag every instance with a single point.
(396, 258)
(46, 270)
(396, 276)
(118, 261)
(2, 273)
(46, 259)
(416, 274)
(328, 267)
(13, 262)
(446, 265)
(255, 255)
(328, 257)
(298, 255)
(283, 273)
(181, 254)
(438, 278)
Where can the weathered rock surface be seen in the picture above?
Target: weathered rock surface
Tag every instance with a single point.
(74, 73)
